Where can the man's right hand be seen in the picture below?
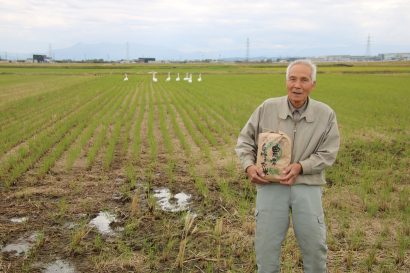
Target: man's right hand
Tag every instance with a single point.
(256, 175)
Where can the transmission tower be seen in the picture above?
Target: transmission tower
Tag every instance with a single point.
(368, 52)
(127, 52)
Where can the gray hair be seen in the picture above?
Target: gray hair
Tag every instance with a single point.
(305, 62)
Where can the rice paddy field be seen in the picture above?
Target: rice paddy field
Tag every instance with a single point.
(99, 174)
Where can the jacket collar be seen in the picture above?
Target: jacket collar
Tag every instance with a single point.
(284, 110)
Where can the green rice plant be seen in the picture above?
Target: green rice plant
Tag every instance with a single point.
(109, 154)
(188, 123)
(196, 120)
(151, 137)
(51, 158)
(372, 206)
(135, 208)
(76, 186)
(168, 250)
(51, 110)
(404, 202)
(244, 207)
(223, 127)
(101, 138)
(201, 187)
(131, 112)
(210, 124)
(124, 249)
(77, 236)
(348, 259)
(45, 140)
(163, 128)
(188, 223)
(131, 228)
(225, 190)
(151, 202)
(136, 147)
(403, 247)
(218, 233)
(98, 242)
(385, 198)
(131, 176)
(170, 170)
(370, 260)
(35, 247)
(96, 146)
(62, 208)
(75, 150)
(356, 240)
(119, 123)
(178, 132)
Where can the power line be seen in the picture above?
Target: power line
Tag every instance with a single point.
(247, 49)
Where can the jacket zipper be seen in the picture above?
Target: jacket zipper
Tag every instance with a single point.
(293, 141)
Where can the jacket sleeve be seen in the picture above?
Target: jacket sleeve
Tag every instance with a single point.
(326, 151)
(246, 147)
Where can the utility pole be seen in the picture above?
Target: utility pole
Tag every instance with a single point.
(50, 51)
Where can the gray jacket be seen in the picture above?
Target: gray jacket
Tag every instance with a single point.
(315, 137)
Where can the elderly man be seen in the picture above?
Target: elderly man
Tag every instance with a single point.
(312, 128)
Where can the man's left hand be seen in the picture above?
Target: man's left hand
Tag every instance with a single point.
(290, 174)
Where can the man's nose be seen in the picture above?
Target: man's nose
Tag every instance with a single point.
(298, 83)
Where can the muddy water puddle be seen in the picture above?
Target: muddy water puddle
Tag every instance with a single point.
(19, 220)
(103, 222)
(59, 266)
(21, 246)
(173, 203)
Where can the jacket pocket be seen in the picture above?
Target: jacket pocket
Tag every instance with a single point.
(269, 130)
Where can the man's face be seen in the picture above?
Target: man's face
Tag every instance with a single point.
(299, 84)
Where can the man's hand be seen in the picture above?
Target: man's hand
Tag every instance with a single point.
(256, 175)
(290, 174)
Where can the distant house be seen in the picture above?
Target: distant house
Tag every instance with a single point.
(146, 60)
(39, 58)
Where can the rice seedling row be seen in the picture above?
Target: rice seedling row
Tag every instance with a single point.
(200, 122)
(15, 165)
(100, 136)
(136, 145)
(119, 120)
(190, 125)
(21, 131)
(178, 132)
(129, 119)
(212, 128)
(222, 126)
(75, 150)
(37, 104)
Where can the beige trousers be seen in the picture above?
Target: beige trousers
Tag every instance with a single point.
(274, 205)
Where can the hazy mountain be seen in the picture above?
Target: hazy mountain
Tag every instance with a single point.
(111, 51)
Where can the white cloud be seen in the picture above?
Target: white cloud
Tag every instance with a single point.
(207, 25)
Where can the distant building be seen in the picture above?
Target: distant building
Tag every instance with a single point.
(395, 56)
(39, 58)
(146, 60)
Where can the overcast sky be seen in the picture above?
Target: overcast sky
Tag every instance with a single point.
(274, 28)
